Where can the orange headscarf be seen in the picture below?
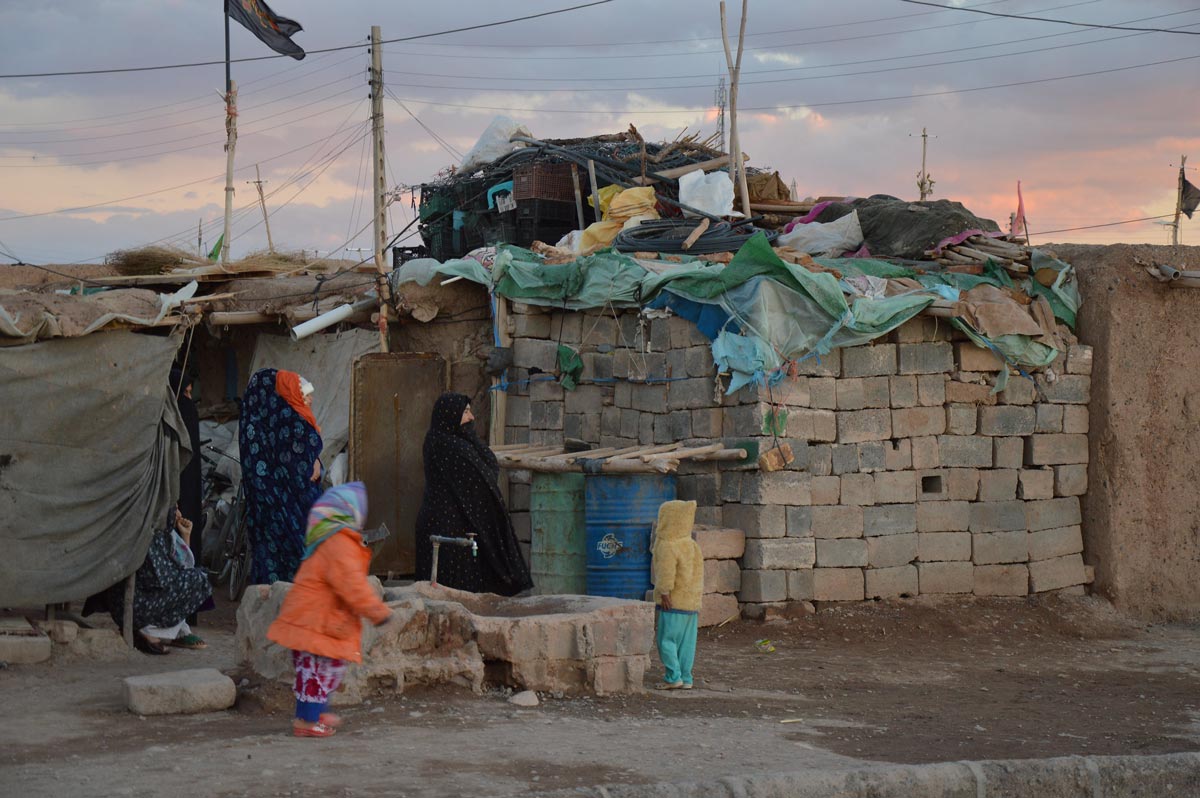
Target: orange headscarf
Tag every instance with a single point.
(287, 385)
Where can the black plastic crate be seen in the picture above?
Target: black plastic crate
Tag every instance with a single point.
(547, 212)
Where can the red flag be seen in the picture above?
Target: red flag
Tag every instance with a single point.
(1018, 221)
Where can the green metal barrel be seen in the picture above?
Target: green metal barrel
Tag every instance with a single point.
(558, 558)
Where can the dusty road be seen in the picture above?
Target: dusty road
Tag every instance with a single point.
(908, 682)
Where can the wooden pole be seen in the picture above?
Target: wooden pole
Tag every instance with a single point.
(578, 195)
(127, 619)
(230, 145)
(737, 172)
(379, 191)
(262, 202)
(595, 188)
(498, 419)
(1178, 201)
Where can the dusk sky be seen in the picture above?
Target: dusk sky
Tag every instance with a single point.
(834, 97)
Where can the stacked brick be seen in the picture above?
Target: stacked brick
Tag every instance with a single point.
(722, 548)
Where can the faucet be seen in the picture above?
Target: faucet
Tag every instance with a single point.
(438, 540)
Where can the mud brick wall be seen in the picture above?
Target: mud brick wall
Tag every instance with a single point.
(910, 475)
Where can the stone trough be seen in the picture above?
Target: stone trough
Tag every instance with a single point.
(568, 644)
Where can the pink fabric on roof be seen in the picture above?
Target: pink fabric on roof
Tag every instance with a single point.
(808, 217)
(961, 237)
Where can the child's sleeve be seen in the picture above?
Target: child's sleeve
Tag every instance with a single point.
(698, 566)
(663, 567)
(352, 587)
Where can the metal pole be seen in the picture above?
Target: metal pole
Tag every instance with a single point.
(380, 183)
(433, 569)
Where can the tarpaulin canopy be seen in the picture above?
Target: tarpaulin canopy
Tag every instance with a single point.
(91, 448)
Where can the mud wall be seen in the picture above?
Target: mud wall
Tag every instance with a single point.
(1141, 514)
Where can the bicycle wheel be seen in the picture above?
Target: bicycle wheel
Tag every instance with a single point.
(229, 531)
(239, 574)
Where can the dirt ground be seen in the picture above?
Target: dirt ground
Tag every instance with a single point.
(914, 681)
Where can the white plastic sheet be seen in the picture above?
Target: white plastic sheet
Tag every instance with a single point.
(830, 239)
(494, 143)
(711, 192)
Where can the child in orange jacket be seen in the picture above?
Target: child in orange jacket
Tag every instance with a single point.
(319, 619)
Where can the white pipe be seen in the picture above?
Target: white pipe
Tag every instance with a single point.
(330, 318)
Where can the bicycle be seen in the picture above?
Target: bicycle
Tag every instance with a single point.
(236, 548)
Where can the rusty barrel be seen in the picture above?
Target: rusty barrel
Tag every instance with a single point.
(621, 511)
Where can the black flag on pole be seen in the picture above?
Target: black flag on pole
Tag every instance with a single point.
(1189, 200)
(274, 31)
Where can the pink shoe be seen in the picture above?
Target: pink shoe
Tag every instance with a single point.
(331, 720)
(316, 730)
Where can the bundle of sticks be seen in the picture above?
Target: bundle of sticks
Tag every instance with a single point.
(978, 250)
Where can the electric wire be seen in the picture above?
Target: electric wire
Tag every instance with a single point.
(1106, 224)
(441, 142)
(1048, 19)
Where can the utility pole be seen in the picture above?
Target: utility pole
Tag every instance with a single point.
(737, 169)
(924, 182)
(721, 98)
(258, 183)
(200, 236)
(230, 145)
(1178, 201)
(379, 184)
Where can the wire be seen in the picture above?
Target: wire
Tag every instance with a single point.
(445, 145)
(310, 52)
(1106, 224)
(1048, 19)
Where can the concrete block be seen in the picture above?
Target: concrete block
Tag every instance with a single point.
(858, 489)
(969, 393)
(716, 608)
(610, 422)
(869, 361)
(947, 516)
(962, 419)
(660, 335)
(799, 522)
(630, 423)
(707, 423)
(916, 330)
(845, 458)
(903, 391)
(179, 692)
(1046, 544)
(925, 453)
(895, 487)
(800, 585)
(1070, 480)
(530, 325)
(914, 422)
(1057, 573)
(990, 548)
(931, 390)
(1068, 389)
(622, 395)
(1020, 391)
(933, 486)
(1056, 449)
(779, 554)
(21, 644)
(1036, 484)
(998, 485)
(872, 456)
(962, 484)
(546, 416)
(820, 459)
(928, 358)
(545, 437)
(1079, 359)
(850, 394)
(699, 362)
(864, 425)
(1075, 419)
(813, 425)
(1007, 420)
(826, 490)
(763, 586)
(829, 365)
(891, 550)
(837, 522)
(1001, 580)
(786, 488)
(945, 577)
(721, 544)
(534, 353)
(970, 357)
(1052, 513)
(997, 516)
(944, 546)
(517, 411)
(889, 519)
(522, 526)
(841, 553)
(691, 394)
(597, 366)
(965, 451)
(886, 583)
(1008, 452)
(822, 392)
(684, 333)
(650, 398)
(1049, 418)
(838, 584)
(722, 576)
(516, 434)
(704, 489)
(757, 521)
(897, 454)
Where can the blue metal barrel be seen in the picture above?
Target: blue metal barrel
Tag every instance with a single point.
(621, 510)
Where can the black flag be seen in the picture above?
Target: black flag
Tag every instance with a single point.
(1189, 199)
(274, 31)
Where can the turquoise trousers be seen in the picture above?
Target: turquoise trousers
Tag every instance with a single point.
(676, 638)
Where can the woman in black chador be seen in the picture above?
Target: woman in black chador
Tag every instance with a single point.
(462, 495)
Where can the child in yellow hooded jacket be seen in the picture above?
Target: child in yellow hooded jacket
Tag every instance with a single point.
(678, 570)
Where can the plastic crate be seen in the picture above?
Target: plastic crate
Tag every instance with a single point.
(547, 212)
(544, 181)
(546, 232)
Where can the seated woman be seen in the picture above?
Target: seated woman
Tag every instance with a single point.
(169, 588)
(280, 446)
(462, 496)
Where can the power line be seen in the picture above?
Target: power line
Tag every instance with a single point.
(1048, 19)
(159, 67)
(1106, 224)
(445, 145)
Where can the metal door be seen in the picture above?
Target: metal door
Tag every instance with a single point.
(390, 401)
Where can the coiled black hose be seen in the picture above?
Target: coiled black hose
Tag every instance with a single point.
(668, 235)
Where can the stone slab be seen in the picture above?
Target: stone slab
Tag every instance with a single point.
(179, 692)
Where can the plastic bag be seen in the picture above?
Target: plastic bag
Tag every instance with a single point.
(494, 143)
(711, 192)
(831, 239)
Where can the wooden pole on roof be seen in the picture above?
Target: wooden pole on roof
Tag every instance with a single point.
(230, 146)
(379, 185)
(737, 172)
(1178, 201)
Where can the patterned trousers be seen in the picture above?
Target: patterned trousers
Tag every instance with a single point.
(316, 679)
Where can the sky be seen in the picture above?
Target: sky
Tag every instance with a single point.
(834, 96)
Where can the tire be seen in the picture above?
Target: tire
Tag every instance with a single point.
(239, 572)
(229, 532)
